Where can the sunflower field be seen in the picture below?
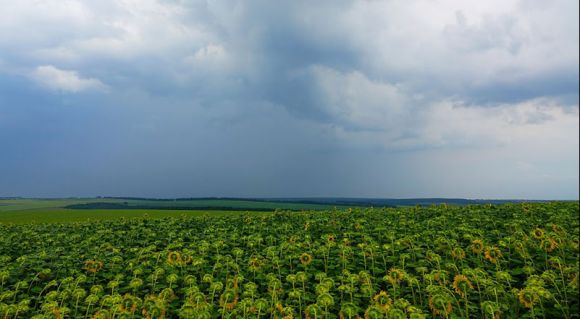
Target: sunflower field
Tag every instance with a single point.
(488, 261)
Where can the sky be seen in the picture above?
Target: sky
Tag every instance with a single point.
(261, 98)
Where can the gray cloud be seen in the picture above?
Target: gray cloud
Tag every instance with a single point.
(261, 98)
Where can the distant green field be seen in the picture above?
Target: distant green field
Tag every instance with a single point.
(244, 204)
(26, 204)
(54, 210)
(74, 215)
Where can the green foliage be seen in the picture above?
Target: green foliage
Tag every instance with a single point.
(487, 261)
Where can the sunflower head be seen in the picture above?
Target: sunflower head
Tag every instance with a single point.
(229, 299)
(313, 311)
(136, 283)
(348, 310)
(325, 300)
(383, 301)
(172, 278)
(306, 259)
(458, 253)
(189, 310)
(373, 312)
(395, 276)
(255, 263)
(397, 313)
(166, 294)
(538, 233)
(331, 238)
(280, 311)
(440, 304)
(477, 246)
(174, 258)
(548, 244)
(439, 275)
(491, 308)
(260, 305)
(198, 297)
(462, 285)
(131, 303)
(153, 307)
(93, 266)
(301, 276)
(528, 297)
(503, 276)
(493, 254)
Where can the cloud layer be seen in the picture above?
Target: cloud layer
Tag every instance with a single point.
(63, 80)
(256, 98)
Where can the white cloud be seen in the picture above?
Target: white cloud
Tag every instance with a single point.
(461, 45)
(85, 32)
(367, 113)
(531, 124)
(65, 80)
(354, 101)
(453, 44)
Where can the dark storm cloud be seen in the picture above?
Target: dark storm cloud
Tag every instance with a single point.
(296, 98)
(560, 85)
